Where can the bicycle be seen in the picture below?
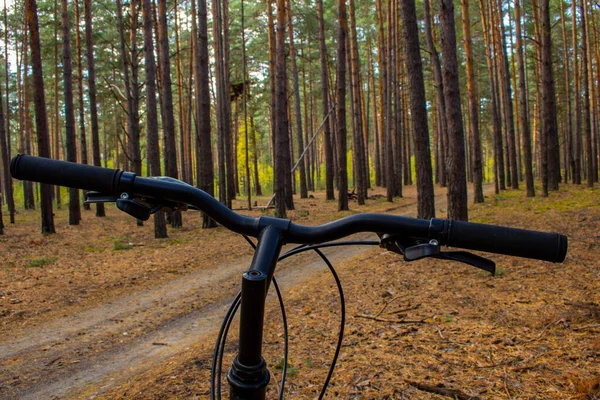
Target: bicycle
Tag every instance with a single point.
(412, 238)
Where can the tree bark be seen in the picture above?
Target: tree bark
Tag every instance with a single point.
(328, 148)
(41, 120)
(524, 110)
(204, 157)
(341, 106)
(81, 107)
(420, 128)
(496, 124)
(28, 197)
(283, 197)
(74, 209)
(473, 99)
(587, 129)
(577, 100)
(89, 43)
(360, 166)
(168, 123)
(457, 183)
(442, 131)
(160, 226)
(507, 96)
(6, 151)
(297, 104)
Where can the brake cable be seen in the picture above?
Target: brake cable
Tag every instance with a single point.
(216, 369)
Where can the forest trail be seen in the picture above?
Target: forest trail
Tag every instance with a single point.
(90, 351)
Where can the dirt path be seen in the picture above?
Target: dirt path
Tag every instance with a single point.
(99, 347)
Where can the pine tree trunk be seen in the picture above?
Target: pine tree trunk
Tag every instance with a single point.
(92, 93)
(577, 100)
(360, 170)
(473, 106)
(297, 104)
(587, 129)
(389, 125)
(257, 188)
(28, 197)
(283, 196)
(549, 123)
(442, 131)
(341, 106)
(524, 111)
(6, 171)
(81, 107)
(420, 129)
(457, 183)
(41, 120)
(568, 131)
(160, 227)
(328, 148)
(383, 92)
(507, 96)
(74, 209)
(168, 123)
(204, 157)
(6, 151)
(496, 125)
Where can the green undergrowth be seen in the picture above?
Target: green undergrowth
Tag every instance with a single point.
(40, 262)
(566, 202)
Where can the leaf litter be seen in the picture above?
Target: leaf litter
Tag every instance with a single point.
(531, 332)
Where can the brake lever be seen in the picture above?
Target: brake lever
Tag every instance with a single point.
(137, 206)
(413, 250)
(97, 197)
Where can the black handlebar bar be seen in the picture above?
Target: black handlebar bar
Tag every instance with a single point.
(494, 239)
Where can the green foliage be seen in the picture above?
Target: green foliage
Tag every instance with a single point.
(118, 245)
(40, 262)
(291, 370)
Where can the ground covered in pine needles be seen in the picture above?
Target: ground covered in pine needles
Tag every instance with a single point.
(412, 329)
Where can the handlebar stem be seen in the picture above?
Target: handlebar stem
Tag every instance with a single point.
(248, 376)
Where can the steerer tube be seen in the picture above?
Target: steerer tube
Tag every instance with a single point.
(248, 376)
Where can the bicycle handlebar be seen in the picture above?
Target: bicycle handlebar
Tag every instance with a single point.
(494, 239)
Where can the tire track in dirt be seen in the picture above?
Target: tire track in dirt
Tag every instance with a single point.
(93, 350)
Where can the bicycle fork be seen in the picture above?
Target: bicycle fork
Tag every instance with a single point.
(248, 376)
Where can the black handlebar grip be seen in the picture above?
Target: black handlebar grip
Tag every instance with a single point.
(510, 241)
(63, 173)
